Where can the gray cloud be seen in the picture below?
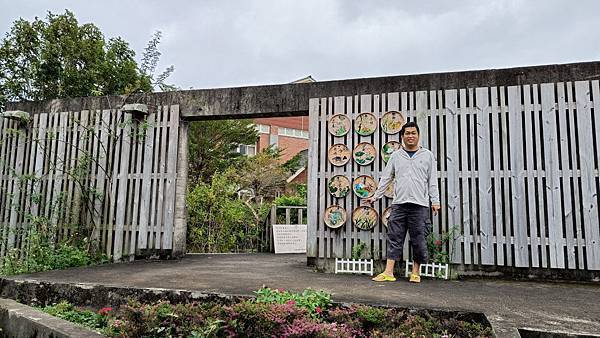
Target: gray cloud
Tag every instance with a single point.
(231, 43)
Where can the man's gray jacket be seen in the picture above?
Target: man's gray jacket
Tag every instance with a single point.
(415, 178)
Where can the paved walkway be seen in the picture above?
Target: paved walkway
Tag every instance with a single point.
(567, 307)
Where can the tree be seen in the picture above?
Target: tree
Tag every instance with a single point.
(59, 58)
(213, 144)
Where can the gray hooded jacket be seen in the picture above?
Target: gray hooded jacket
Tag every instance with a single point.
(415, 178)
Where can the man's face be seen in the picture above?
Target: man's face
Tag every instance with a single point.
(411, 137)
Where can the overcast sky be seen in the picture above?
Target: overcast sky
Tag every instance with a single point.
(235, 43)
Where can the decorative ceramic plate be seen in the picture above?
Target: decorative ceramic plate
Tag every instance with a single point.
(364, 186)
(338, 154)
(386, 215)
(364, 217)
(335, 216)
(365, 124)
(388, 149)
(364, 153)
(392, 122)
(389, 191)
(339, 186)
(339, 125)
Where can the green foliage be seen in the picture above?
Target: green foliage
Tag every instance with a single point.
(439, 246)
(58, 57)
(41, 255)
(212, 145)
(314, 301)
(290, 200)
(262, 174)
(274, 313)
(357, 250)
(150, 59)
(86, 318)
(220, 222)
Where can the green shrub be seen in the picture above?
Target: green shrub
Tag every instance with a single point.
(220, 222)
(85, 318)
(314, 301)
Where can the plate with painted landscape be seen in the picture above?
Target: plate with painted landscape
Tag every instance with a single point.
(339, 186)
(335, 216)
(338, 154)
(364, 186)
(392, 122)
(365, 124)
(364, 153)
(339, 125)
(388, 149)
(386, 215)
(389, 191)
(364, 217)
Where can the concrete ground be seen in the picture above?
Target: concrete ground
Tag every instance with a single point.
(565, 307)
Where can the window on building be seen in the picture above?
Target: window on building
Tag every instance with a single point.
(293, 132)
(246, 149)
(263, 129)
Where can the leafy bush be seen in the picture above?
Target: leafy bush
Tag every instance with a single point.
(274, 313)
(290, 200)
(85, 318)
(39, 255)
(220, 222)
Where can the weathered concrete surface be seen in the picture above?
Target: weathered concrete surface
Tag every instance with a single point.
(508, 305)
(18, 320)
(292, 99)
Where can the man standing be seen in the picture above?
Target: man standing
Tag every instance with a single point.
(413, 169)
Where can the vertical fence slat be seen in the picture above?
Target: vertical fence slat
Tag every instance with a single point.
(171, 176)
(589, 202)
(313, 162)
(452, 173)
(552, 186)
(517, 162)
(485, 180)
(465, 178)
(529, 162)
(496, 152)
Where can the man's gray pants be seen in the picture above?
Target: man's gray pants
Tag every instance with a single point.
(415, 219)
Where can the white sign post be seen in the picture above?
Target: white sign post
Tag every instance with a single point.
(289, 238)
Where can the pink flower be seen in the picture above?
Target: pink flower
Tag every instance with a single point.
(291, 302)
(104, 311)
(438, 243)
(318, 310)
(281, 290)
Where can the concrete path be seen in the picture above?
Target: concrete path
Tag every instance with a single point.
(565, 307)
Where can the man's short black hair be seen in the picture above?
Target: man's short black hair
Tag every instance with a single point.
(409, 125)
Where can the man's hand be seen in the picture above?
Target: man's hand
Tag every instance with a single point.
(369, 200)
(435, 208)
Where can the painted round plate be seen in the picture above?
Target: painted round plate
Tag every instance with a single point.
(389, 191)
(364, 217)
(335, 216)
(339, 125)
(365, 124)
(388, 149)
(338, 154)
(386, 215)
(364, 186)
(339, 186)
(392, 122)
(364, 153)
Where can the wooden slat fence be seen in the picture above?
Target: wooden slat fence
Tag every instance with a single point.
(518, 172)
(100, 174)
(280, 215)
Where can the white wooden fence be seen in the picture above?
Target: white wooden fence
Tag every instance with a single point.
(101, 172)
(518, 172)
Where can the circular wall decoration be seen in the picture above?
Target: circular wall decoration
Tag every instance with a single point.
(339, 186)
(388, 149)
(339, 125)
(364, 186)
(364, 217)
(386, 215)
(392, 122)
(335, 216)
(365, 124)
(364, 153)
(389, 191)
(338, 154)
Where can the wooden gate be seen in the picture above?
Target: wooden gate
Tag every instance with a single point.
(103, 174)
